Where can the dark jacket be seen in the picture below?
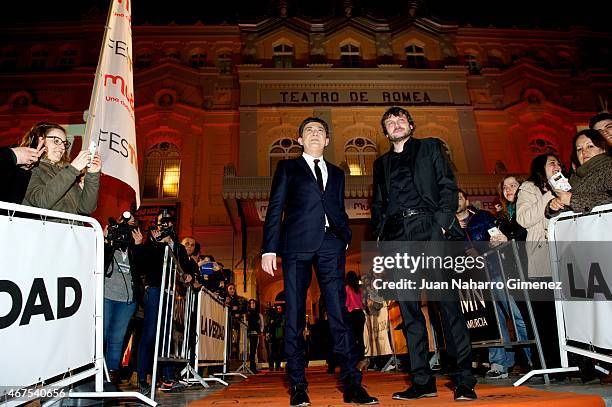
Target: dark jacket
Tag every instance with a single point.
(152, 265)
(14, 179)
(296, 194)
(591, 185)
(56, 187)
(433, 178)
(478, 224)
(510, 227)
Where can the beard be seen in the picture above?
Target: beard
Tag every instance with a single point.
(395, 138)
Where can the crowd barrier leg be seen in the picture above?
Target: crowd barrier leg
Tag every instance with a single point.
(228, 344)
(565, 368)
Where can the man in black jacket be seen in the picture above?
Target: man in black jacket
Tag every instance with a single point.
(14, 170)
(309, 192)
(415, 199)
(152, 253)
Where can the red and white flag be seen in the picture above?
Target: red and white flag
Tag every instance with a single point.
(111, 122)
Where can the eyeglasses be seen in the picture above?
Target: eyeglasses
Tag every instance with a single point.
(58, 141)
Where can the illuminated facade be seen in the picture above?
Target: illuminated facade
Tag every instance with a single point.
(218, 106)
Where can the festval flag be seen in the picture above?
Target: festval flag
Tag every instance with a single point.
(111, 121)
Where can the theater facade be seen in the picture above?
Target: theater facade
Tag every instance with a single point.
(217, 106)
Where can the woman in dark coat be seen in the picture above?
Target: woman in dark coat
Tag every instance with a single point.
(592, 179)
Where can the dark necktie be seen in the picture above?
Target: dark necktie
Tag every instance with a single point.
(319, 174)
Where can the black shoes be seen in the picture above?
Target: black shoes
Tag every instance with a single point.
(358, 395)
(299, 397)
(417, 391)
(464, 393)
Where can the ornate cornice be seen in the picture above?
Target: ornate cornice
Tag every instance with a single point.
(258, 188)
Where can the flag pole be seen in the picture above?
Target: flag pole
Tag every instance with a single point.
(94, 94)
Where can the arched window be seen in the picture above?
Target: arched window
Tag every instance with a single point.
(197, 59)
(539, 145)
(495, 59)
(67, 57)
(360, 154)
(173, 54)
(283, 56)
(162, 171)
(565, 61)
(283, 149)
(471, 61)
(224, 62)
(38, 59)
(9, 59)
(144, 59)
(415, 56)
(350, 56)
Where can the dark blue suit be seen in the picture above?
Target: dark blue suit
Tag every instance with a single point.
(302, 241)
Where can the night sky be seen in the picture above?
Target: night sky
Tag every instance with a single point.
(521, 13)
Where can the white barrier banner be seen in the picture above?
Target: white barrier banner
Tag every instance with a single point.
(47, 299)
(585, 270)
(212, 329)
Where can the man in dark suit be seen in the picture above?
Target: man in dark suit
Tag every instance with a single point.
(314, 231)
(415, 199)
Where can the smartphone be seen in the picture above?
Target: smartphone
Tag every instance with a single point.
(33, 141)
(92, 150)
(558, 181)
(494, 231)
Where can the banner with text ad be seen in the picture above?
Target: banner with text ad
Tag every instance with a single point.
(47, 299)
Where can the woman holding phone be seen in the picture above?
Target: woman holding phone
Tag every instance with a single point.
(59, 184)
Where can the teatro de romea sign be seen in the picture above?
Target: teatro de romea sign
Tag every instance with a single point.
(319, 97)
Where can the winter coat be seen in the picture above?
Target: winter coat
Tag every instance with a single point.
(56, 187)
(530, 208)
(592, 184)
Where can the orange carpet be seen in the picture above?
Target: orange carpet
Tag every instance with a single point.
(270, 390)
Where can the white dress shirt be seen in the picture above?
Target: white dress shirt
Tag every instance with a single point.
(310, 161)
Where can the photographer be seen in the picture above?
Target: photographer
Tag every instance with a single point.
(161, 235)
(122, 286)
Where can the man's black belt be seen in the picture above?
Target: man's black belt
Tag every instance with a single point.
(406, 213)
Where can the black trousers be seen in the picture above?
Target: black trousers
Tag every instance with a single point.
(420, 228)
(329, 262)
(253, 343)
(356, 320)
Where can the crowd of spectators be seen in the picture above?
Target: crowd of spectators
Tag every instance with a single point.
(39, 173)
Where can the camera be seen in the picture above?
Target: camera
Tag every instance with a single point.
(207, 268)
(120, 232)
(165, 225)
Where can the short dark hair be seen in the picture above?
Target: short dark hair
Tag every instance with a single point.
(599, 117)
(166, 213)
(462, 192)
(396, 111)
(595, 137)
(315, 120)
